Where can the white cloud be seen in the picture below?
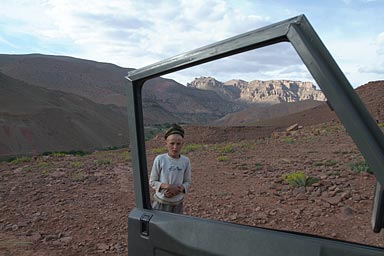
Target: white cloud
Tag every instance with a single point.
(138, 33)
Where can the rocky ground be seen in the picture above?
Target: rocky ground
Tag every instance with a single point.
(78, 205)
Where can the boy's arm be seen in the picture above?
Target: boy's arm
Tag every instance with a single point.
(187, 177)
(154, 179)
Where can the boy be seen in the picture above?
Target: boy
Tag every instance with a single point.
(171, 173)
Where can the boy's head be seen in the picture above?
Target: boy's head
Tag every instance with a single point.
(174, 140)
(174, 129)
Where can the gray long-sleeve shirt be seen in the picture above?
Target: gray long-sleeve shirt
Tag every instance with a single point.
(169, 170)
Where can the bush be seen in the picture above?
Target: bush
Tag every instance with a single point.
(58, 154)
(191, 147)
(43, 165)
(103, 162)
(299, 179)
(328, 162)
(359, 167)
(160, 150)
(289, 140)
(227, 149)
(222, 158)
(77, 176)
(77, 164)
(126, 155)
(62, 153)
(20, 160)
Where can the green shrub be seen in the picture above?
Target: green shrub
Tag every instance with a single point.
(43, 165)
(58, 154)
(126, 155)
(288, 140)
(318, 163)
(21, 160)
(77, 176)
(299, 179)
(359, 167)
(77, 164)
(27, 168)
(229, 148)
(222, 158)
(103, 162)
(46, 172)
(14, 243)
(243, 167)
(62, 153)
(328, 162)
(191, 147)
(258, 166)
(160, 150)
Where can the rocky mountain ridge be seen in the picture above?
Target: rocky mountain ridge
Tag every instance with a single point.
(257, 91)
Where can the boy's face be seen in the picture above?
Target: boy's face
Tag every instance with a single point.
(174, 144)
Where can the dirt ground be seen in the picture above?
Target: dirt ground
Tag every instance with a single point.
(78, 205)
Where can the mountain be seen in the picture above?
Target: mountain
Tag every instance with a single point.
(184, 104)
(56, 103)
(35, 119)
(371, 94)
(271, 92)
(256, 113)
(164, 100)
(97, 81)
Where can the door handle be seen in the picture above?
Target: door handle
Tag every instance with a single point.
(144, 224)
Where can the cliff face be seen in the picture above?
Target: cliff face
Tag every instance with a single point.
(272, 92)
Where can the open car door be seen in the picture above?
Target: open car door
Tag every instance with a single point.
(152, 232)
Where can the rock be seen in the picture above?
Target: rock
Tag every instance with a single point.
(262, 216)
(301, 197)
(356, 198)
(65, 240)
(35, 237)
(316, 193)
(333, 200)
(313, 224)
(300, 190)
(297, 211)
(49, 238)
(293, 127)
(102, 247)
(272, 212)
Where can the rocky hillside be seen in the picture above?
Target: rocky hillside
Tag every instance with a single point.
(271, 92)
(34, 120)
(256, 113)
(371, 94)
(50, 103)
(165, 100)
(97, 81)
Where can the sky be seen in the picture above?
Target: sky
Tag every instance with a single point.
(137, 33)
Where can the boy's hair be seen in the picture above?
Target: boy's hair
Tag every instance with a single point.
(174, 129)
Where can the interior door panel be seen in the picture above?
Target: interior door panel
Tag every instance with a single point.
(173, 234)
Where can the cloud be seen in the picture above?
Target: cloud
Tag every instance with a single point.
(139, 33)
(376, 63)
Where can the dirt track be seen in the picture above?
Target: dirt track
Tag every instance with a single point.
(73, 205)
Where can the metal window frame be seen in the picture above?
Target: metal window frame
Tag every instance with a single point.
(299, 32)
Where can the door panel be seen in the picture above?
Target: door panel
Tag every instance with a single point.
(173, 234)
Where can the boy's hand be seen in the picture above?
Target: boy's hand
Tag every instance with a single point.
(173, 190)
